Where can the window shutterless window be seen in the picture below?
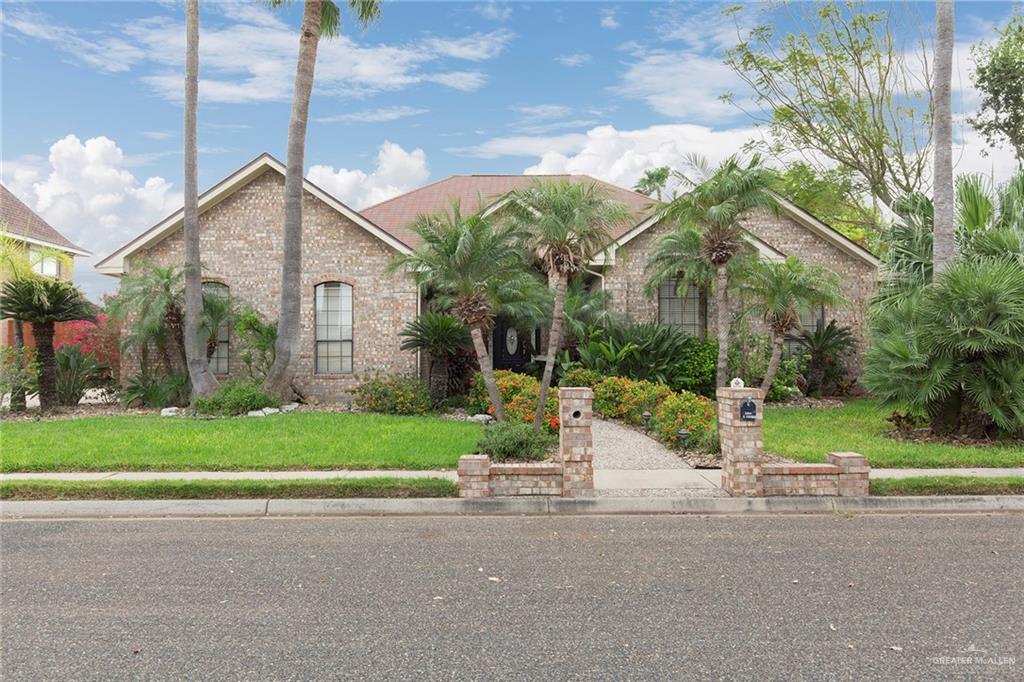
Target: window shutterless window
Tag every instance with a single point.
(44, 265)
(333, 310)
(812, 318)
(218, 349)
(679, 311)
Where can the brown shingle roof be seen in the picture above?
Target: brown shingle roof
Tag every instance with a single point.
(20, 220)
(396, 214)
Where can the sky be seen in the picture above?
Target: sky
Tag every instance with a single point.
(91, 99)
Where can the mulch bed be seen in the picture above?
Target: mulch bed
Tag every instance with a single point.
(810, 403)
(926, 436)
(78, 412)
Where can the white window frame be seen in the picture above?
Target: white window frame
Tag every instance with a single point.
(333, 345)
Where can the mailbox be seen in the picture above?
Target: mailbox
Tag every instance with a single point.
(748, 410)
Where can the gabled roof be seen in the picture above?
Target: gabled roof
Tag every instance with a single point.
(23, 223)
(114, 263)
(396, 214)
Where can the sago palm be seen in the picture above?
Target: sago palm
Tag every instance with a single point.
(713, 202)
(481, 266)
(42, 302)
(567, 224)
(779, 291)
(440, 336)
(319, 18)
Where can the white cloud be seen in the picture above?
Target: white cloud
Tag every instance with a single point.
(373, 115)
(681, 85)
(608, 19)
(536, 112)
(397, 171)
(86, 192)
(158, 134)
(495, 11)
(522, 145)
(248, 54)
(574, 59)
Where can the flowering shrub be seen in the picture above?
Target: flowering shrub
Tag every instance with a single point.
(393, 395)
(101, 339)
(582, 377)
(625, 399)
(522, 407)
(682, 410)
(510, 384)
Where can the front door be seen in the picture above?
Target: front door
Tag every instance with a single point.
(510, 349)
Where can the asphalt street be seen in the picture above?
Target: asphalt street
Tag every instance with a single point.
(624, 597)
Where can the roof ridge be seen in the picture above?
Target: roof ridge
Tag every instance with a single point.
(412, 191)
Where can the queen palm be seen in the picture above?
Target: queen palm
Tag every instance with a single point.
(42, 302)
(567, 224)
(480, 267)
(709, 234)
(780, 290)
(319, 18)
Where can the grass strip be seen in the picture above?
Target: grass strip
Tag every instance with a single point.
(949, 485)
(38, 489)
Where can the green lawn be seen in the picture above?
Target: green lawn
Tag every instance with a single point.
(806, 435)
(313, 440)
(949, 485)
(202, 490)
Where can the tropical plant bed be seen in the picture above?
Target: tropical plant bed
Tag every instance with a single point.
(36, 489)
(304, 440)
(860, 426)
(949, 485)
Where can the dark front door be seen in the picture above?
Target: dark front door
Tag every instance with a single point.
(510, 349)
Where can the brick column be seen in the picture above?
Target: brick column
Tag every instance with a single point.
(575, 441)
(742, 442)
(854, 472)
(474, 476)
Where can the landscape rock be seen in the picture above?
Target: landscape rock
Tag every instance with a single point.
(482, 418)
(270, 410)
(290, 407)
(255, 413)
(170, 412)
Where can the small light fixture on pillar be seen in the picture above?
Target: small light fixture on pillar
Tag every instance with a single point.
(647, 420)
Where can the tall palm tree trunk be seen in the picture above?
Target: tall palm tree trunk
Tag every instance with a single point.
(773, 362)
(282, 372)
(942, 126)
(43, 333)
(554, 346)
(722, 324)
(484, 359)
(18, 401)
(203, 381)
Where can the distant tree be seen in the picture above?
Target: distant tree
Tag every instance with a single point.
(999, 76)
(653, 181)
(834, 197)
(839, 88)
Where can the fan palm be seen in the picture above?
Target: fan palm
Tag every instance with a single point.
(440, 336)
(319, 18)
(42, 301)
(713, 203)
(480, 266)
(779, 290)
(567, 224)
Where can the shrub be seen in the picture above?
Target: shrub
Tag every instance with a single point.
(828, 349)
(522, 407)
(510, 384)
(514, 442)
(625, 399)
(234, 397)
(393, 394)
(582, 377)
(683, 410)
(75, 371)
(172, 390)
(256, 340)
(100, 338)
(748, 359)
(19, 371)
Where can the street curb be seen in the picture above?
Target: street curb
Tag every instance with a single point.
(511, 506)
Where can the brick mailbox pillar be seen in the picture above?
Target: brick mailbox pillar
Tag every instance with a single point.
(575, 441)
(740, 434)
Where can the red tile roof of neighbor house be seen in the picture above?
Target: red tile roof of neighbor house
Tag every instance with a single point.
(21, 221)
(395, 215)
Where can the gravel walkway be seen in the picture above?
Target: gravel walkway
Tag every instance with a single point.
(620, 447)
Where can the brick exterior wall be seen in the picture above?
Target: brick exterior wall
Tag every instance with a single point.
(625, 279)
(241, 247)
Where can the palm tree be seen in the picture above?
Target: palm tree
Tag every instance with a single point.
(480, 266)
(567, 223)
(709, 234)
(585, 309)
(942, 127)
(319, 18)
(780, 289)
(43, 301)
(204, 383)
(440, 336)
(150, 303)
(652, 182)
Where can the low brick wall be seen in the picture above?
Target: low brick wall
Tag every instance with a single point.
(846, 475)
(572, 476)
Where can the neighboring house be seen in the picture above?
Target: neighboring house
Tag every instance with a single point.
(353, 309)
(49, 252)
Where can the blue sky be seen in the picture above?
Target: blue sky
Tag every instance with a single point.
(91, 113)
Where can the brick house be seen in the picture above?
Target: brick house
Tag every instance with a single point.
(353, 309)
(50, 253)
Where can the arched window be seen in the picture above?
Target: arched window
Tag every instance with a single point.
(217, 308)
(333, 307)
